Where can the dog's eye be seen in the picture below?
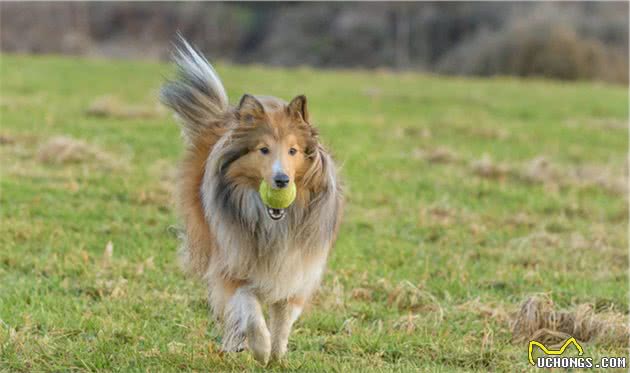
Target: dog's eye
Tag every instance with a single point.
(292, 151)
(264, 150)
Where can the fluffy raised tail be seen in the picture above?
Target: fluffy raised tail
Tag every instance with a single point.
(196, 95)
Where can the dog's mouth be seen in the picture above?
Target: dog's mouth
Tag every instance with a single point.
(275, 214)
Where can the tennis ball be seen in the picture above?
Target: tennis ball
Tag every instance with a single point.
(277, 198)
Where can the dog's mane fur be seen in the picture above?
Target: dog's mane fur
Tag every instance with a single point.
(227, 233)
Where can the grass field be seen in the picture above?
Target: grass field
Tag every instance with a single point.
(466, 197)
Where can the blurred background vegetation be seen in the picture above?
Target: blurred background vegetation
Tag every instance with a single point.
(563, 40)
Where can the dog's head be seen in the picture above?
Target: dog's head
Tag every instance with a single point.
(272, 141)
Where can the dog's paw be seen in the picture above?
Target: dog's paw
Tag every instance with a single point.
(277, 353)
(259, 342)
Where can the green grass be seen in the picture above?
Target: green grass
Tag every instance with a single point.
(424, 247)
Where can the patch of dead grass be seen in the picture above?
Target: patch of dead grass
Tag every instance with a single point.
(363, 294)
(437, 215)
(488, 168)
(607, 177)
(436, 155)
(111, 107)
(541, 170)
(408, 323)
(65, 150)
(407, 296)
(500, 134)
(538, 319)
(331, 295)
(536, 239)
(602, 176)
(493, 311)
(521, 219)
(6, 139)
(401, 132)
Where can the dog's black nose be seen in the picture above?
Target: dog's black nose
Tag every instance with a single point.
(281, 180)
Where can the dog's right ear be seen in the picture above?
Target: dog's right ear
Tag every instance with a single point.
(250, 109)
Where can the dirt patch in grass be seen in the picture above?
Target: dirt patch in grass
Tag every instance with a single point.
(111, 107)
(538, 319)
(67, 150)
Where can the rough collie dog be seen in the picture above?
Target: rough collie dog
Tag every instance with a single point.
(251, 255)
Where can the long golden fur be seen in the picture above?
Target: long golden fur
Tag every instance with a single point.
(251, 255)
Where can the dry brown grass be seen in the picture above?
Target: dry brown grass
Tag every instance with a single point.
(500, 134)
(539, 169)
(66, 150)
(6, 140)
(538, 319)
(407, 296)
(488, 168)
(363, 294)
(493, 311)
(436, 155)
(610, 177)
(400, 132)
(331, 295)
(408, 323)
(605, 176)
(438, 214)
(111, 107)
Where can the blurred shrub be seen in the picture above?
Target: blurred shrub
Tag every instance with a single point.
(566, 40)
(538, 46)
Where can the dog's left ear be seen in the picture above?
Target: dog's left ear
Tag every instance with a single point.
(297, 107)
(250, 110)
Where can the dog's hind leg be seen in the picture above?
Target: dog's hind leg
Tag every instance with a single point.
(243, 318)
(282, 316)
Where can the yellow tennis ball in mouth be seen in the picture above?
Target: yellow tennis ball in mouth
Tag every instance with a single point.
(277, 198)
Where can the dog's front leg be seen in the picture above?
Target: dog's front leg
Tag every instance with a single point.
(282, 316)
(244, 318)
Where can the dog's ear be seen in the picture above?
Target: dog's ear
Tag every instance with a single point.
(297, 107)
(250, 109)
